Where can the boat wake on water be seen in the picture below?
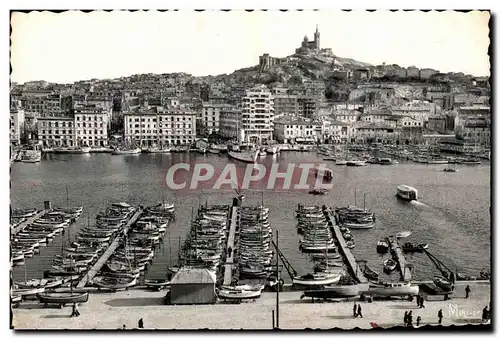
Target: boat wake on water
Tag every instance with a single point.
(417, 203)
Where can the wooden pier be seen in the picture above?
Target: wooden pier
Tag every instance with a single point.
(398, 255)
(228, 266)
(92, 272)
(350, 261)
(28, 221)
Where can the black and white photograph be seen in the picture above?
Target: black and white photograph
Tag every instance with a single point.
(250, 169)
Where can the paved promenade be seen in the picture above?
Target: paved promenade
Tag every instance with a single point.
(113, 310)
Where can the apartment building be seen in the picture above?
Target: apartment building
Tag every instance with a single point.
(16, 125)
(160, 126)
(257, 115)
(56, 131)
(230, 122)
(91, 125)
(289, 130)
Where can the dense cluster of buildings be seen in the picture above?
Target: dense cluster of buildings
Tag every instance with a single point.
(176, 109)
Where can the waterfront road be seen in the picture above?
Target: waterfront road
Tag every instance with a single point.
(113, 310)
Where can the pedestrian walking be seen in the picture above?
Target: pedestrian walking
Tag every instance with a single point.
(359, 311)
(410, 319)
(440, 316)
(422, 302)
(141, 323)
(418, 300)
(467, 291)
(419, 319)
(406, 318)
(485, 314)
(73, 311)
(77, 310)
(355, 310)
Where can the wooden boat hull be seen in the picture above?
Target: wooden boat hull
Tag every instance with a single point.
(334, 291)
(359, 226)
(389, 291)
(238, 295)
(156, 284)
(442, 283)
(117, 284)
(332, 279)
(24, 292)
(63, 298)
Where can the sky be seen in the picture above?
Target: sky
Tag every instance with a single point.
(74, 46)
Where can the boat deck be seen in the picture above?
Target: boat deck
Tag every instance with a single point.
(228, 267)
(91, 273)
(398, 255)
(350, 261)
(28, 221)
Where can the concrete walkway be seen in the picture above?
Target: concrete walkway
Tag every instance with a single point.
(113, 310)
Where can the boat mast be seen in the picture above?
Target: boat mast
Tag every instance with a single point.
(67, 197)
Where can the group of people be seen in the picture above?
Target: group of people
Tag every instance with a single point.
(356, 311)
(408, 319)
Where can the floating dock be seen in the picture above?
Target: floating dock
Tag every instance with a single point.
(28, 221)
(350, 261)
(398, 255)
(91, 273)
(228, 267)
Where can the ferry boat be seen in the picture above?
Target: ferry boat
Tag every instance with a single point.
(406, 193)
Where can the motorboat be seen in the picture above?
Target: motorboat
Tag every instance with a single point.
(450, 169)
(393, 289)
(390, 265)
(403, 234)
(409, 247)
(382, 246)
(406, 193)
(443, 283)
(318, 191)
(63, 297)
(317, 279)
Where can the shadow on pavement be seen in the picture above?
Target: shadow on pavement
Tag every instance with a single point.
(57, 316)
(341, 316)
(131, 302)
(404, 307)
(33, 306)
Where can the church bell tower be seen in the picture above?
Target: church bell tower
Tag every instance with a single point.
(316, 38)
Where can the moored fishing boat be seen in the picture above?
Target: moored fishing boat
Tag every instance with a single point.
(403, 234)
(248, 157)
(333, 291)
(370, 274)
(409, 247)
(126, 151)
(382, 246)
(114, 283)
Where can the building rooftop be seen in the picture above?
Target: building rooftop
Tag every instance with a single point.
(193, 276)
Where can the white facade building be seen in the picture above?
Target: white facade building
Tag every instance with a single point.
(160, 126)
(257, 115)
(294, 131)
(16, 125)
(91, 125)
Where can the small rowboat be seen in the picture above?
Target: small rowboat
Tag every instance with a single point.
(390, 265)
(63, 298)
(156, 284)
(238, 294)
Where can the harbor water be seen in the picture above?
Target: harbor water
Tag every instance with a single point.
(452, 215)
